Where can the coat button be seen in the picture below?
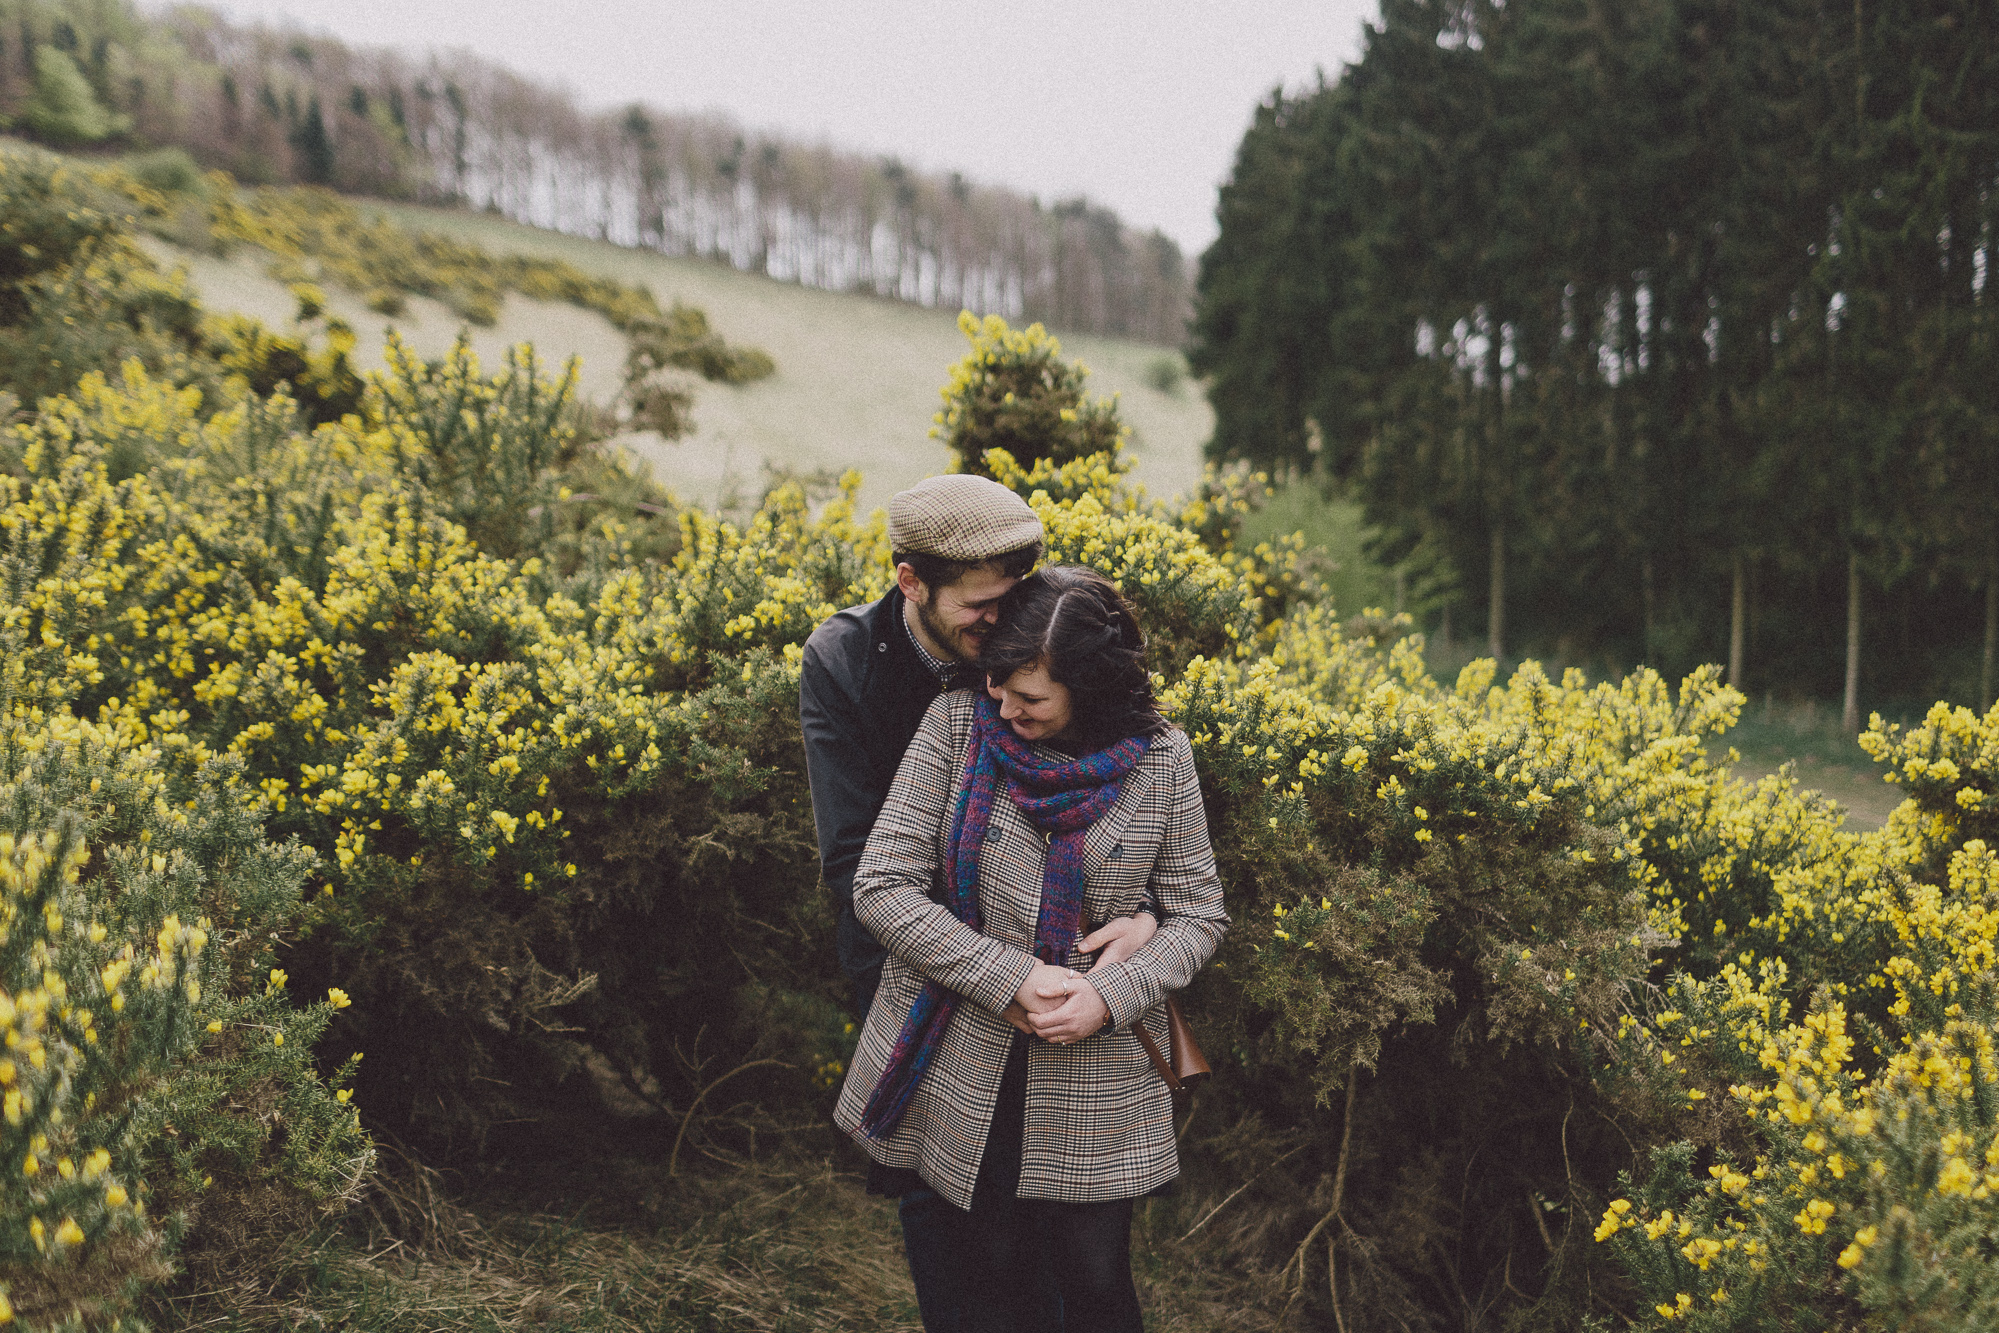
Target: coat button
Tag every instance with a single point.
(881, 647)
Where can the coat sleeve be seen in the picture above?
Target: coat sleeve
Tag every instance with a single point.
(903, 858)
(1188, 888)
(843, 797)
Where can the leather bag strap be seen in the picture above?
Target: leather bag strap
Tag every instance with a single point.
(1159, 1061)
(1189, 1065)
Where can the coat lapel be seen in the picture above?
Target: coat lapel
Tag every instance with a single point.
(1109, 834)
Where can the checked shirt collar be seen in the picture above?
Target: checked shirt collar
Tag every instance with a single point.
(950, 675)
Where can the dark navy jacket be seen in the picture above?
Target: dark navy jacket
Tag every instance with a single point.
(862, 691)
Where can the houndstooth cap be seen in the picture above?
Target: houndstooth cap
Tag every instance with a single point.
(960, 517)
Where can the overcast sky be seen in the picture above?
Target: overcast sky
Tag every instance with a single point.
(1138, 103)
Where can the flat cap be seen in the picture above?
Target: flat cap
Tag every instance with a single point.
(960, 517)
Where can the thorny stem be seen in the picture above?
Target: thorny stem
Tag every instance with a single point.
(673, 1158)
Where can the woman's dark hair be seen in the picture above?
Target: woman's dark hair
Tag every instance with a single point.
(1075, 620)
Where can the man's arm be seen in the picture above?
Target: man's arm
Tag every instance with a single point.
(844, 801)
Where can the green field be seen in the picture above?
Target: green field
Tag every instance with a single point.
(857, 377)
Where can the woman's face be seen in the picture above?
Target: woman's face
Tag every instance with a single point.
(1035, 706)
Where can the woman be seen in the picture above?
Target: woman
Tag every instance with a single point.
(1055, 801)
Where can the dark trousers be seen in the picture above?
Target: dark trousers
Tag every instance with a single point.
(1029, 1265)
(1034, 1265)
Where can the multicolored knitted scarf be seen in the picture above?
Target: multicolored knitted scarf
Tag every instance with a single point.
(1061, 798)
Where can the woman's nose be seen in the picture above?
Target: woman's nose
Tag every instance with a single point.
(1009, 709)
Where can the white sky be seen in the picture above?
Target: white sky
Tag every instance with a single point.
(1138, 103)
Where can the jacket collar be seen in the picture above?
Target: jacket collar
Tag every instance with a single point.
(890, 640)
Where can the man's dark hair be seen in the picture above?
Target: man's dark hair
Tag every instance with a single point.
(1075, 620)
(936, 572)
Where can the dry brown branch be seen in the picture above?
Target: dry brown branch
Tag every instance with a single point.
(1238, 1190)
(1339, 1192)
(673, 1158)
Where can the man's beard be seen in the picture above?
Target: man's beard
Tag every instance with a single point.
(951, 641)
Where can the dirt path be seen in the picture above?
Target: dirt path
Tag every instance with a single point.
(1867, 800)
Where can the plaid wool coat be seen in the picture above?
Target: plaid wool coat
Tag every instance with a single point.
(1099, 1118)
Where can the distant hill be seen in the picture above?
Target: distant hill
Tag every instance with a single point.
(857, 376)
(286, 106)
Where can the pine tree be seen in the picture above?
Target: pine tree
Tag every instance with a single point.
(313, 146)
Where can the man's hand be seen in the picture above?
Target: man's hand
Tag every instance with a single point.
(1079, 1016)
(1119, 938)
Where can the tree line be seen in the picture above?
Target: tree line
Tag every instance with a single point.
(1654, 331)
(280, 106)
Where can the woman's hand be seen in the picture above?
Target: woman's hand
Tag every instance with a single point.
(1044, 990)
(1119, 938)
(1016, 1018)
(1077, 1017)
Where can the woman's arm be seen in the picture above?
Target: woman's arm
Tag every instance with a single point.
(1188, 889)
(903, 859)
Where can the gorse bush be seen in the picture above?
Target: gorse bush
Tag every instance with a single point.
(76, 292)
(1015, 392)
(199, 1103)
(1854, 1175)
(149, 1082)
(438, 721)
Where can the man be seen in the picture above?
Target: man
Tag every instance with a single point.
(960, 543)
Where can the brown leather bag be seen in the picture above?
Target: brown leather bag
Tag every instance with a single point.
(1183, 1067)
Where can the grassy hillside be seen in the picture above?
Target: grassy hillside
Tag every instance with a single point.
(857, 378)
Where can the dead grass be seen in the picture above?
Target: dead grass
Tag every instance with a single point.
(778, 1248)
(596, 1236)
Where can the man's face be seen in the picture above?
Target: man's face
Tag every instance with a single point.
(957, 618)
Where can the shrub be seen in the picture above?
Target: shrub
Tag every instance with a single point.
(156, 1076)
(63, 109)
(562, 810)
(1014, 392)
(683, 338)
(75, 292)
(169, 171)
(1851, 1175)
(322, 381)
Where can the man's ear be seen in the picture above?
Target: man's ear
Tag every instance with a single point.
(912, 587)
